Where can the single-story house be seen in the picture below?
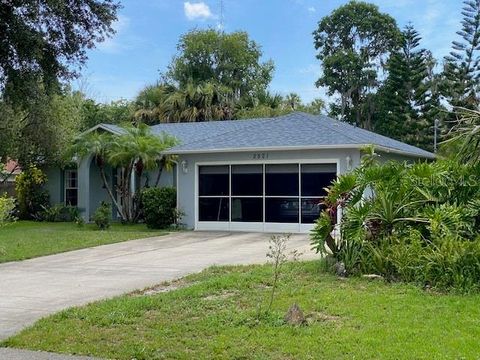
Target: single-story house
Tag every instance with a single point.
(244, 175)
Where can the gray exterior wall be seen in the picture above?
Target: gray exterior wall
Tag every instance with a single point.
(54, 185)
(97, 192)
(90, 186)
(187, 181)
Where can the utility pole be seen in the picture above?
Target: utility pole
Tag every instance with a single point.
(435, 134)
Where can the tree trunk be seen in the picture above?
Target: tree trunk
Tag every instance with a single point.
(160, 170)
(110, 193)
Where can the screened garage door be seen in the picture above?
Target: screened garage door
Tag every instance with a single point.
(261, 197)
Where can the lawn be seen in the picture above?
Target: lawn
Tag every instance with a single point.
(25, 239)
(213, 315)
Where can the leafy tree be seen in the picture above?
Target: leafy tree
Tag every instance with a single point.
(406, 97)
(39, 130)
(352, 44)
(231, 60)
(115, 112)
(39, 39)
(462, 66)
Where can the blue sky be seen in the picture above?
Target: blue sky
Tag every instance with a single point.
(148, 31)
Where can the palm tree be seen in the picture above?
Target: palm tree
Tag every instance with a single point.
(293, 101)
(465, 137)
(149, 103)
(98, 145)
(198, 102)
(137, 149)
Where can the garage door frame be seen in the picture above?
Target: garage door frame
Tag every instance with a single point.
(255, 226)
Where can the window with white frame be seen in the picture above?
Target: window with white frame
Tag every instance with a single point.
(71, 187)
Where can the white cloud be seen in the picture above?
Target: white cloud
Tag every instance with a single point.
(311, 9)
(198, 10)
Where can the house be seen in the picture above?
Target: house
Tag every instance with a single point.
(244, 175)
(10, 171)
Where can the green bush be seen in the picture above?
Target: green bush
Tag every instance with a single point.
(61, 213)
(7, 208)
(103, 215)
(32, 198)
(416, 223)
(159, 207)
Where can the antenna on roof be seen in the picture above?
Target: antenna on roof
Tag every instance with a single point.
(221, 17)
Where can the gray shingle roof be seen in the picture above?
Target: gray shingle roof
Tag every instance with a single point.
(296, 130)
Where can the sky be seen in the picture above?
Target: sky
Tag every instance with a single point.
(147, 32)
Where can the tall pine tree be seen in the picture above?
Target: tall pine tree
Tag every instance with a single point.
(462, 66)
(408, 101)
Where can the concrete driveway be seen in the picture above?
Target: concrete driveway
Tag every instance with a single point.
(38, 287)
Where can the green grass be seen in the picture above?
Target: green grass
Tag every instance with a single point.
(25, 239)
(214, 317)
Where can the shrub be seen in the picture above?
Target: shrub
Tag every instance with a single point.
(60, 213)
(7, 208)
(102, 216)
(416, 223)
(32, 198)
(159, 207)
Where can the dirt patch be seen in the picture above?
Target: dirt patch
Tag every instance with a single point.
(162, 288)
(222, 296)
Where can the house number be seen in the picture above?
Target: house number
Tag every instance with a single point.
(260, 156)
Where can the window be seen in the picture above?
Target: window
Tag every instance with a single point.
(213, 209)
(273, 193)
(247, 180)
(214, 181)
(247, 209)
(314, 179)
(281, 180)
(71, 187)
(214, 191)
(247, 193)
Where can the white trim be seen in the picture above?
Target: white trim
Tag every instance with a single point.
(256, 226)
(65, 187)
(303, 147)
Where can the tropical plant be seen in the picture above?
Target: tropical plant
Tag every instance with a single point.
(135, 150)
(197, 102)
(465, 137)
(397, 217)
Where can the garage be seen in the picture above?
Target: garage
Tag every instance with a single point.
(267, 174)
(269, 196)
